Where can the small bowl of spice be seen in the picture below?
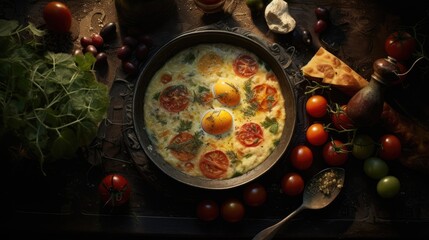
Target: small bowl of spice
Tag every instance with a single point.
(210, 6)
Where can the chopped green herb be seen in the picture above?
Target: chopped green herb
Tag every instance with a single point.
(184, 126)
(191, 146)
(271, 124)
(232, 156)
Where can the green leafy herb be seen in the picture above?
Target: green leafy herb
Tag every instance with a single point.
(271, 124)
(51, 102)
(232, 156)
(184, 126)
(250, 110)
(190, 146)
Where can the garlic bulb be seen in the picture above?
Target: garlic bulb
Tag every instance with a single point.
(278, 18)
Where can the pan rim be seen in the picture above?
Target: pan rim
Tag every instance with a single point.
(190, 39)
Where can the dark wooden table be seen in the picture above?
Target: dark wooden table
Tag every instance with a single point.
(65, 205)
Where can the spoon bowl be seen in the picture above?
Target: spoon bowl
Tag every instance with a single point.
(319, 192)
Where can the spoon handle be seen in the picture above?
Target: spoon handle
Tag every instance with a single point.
(269, 232)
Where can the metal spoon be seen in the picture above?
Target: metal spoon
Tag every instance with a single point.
(319, 192)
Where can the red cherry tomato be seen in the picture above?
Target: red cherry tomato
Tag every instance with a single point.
(207, 210)
(301, 157)
(400, 45)
(57, 16)
(316, 106)
(316, 134)
(114, 190)
(292, 184)
(339, 118)
(390, 147)
(335, 153)
(254, 194)
(232, 210)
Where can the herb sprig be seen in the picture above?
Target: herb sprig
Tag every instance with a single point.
(51, 102)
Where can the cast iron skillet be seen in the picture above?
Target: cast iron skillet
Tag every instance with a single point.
(187, 40)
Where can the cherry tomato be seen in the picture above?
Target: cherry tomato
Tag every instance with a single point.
(339, 118)
(232, 210)
(335, 153)
(114, 190)
(363, 146)
(316, 106)
(301, 157)
(57, 16)
(316, 134)
(375, 168)
(207, 210)
(390, 147)
(292, 184)
(400, 45)
(254, 194)
(388, 187)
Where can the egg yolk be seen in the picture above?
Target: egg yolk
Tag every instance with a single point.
(217, 122)
(226, 93)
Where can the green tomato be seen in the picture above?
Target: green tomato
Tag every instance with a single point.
(363, 146)
(375, 168)
(388, 187)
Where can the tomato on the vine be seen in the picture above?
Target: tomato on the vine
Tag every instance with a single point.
(400, 45)
(301, 157)
(390, 147)
(114, 190)
(316, 134)
(335, 153)
(339, 118)
(254, 194)
(316, 106)
(57, 16)
(232, 210)
(292, 184)
(207, 210)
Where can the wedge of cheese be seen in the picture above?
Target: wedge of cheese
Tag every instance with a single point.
(327, 68)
